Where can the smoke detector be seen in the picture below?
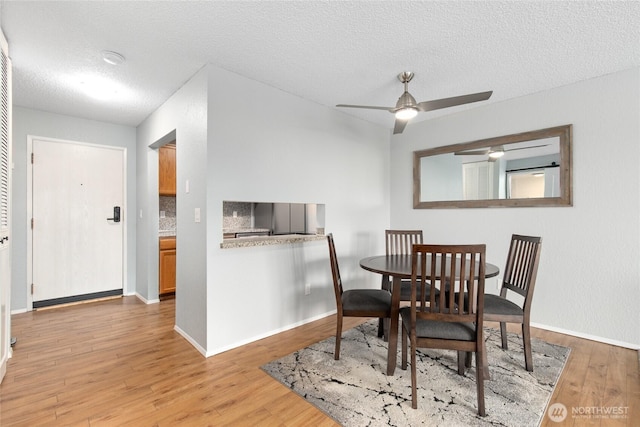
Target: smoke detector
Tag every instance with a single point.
(113, 58)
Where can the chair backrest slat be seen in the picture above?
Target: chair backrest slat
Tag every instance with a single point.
(522, 265)
(400, 242)
(458, 269)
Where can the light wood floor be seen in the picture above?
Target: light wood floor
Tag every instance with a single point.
(119, 362)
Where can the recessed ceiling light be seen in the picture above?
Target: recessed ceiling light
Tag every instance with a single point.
(113, 58)
(99, 87)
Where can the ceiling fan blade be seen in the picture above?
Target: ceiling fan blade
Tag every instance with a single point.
(471, 153)
(437, 104)
(399, 126)
(370, 107)
(525, 148)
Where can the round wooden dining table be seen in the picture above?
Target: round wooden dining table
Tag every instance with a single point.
(398, 267)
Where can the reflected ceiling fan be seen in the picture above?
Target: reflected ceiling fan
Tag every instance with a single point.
(494, 153)
(406, 108)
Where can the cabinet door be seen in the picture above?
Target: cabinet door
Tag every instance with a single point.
(167, 271)
(281, 218)
(167, 170)
(297, 218)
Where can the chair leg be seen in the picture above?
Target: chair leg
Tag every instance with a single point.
(383, 328)
(414, 385)
(462, 361)
(403, 366)
(336, 353)
(485, 364)
(480, 380)
(503, 334)
(526, 338)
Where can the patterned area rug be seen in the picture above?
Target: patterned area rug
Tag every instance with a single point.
(356, 392)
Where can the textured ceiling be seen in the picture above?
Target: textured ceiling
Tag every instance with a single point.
(328, 52)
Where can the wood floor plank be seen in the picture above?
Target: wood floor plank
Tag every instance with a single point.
(615, 388)
(119, 362)
(595, 376)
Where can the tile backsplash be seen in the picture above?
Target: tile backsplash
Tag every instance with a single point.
(168, 206)
(242, 218)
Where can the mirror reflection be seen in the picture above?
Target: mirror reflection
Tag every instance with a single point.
(527, 169)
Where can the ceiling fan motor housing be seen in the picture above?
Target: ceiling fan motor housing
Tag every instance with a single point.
(406, 100)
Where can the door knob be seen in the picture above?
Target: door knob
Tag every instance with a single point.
(116, 214)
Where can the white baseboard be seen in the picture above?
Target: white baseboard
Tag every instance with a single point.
(146, 301)
(268, 334)
(191, 340)
(587, 336)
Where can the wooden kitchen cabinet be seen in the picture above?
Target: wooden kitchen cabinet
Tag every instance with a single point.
(167, 266)
(167, 170)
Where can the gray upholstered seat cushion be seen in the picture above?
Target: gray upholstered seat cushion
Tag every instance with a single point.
(405, 291)
(495, 304)
(366, 299)
(440, 330)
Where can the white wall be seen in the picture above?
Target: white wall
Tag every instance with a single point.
(38, 123)
(267, 145)
(184, 114)
(262, 145)
(589, 276)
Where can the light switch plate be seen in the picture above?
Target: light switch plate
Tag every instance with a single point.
(197, 214)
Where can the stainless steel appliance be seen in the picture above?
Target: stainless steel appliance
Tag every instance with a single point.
(284, 218)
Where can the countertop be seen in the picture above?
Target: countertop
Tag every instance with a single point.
(247, 242)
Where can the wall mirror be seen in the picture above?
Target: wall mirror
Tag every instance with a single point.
(519, 170)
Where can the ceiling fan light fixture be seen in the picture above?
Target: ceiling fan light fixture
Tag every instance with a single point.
(496, 154)
(406, 113)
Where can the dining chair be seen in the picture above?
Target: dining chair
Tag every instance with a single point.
(355, 302)
(520, 277)
(399, 242)
(444, 321)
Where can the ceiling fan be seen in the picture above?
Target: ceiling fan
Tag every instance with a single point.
(494, 153)
(406, 108)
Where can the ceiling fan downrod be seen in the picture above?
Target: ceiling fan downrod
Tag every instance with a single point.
(406, 107)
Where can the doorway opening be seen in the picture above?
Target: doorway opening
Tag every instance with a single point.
(167, 223)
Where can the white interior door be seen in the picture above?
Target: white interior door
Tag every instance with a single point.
(477, 180)
(5, 254)
(5, 205)
(76, 249)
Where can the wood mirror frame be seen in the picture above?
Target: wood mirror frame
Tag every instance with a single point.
(564, 133)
